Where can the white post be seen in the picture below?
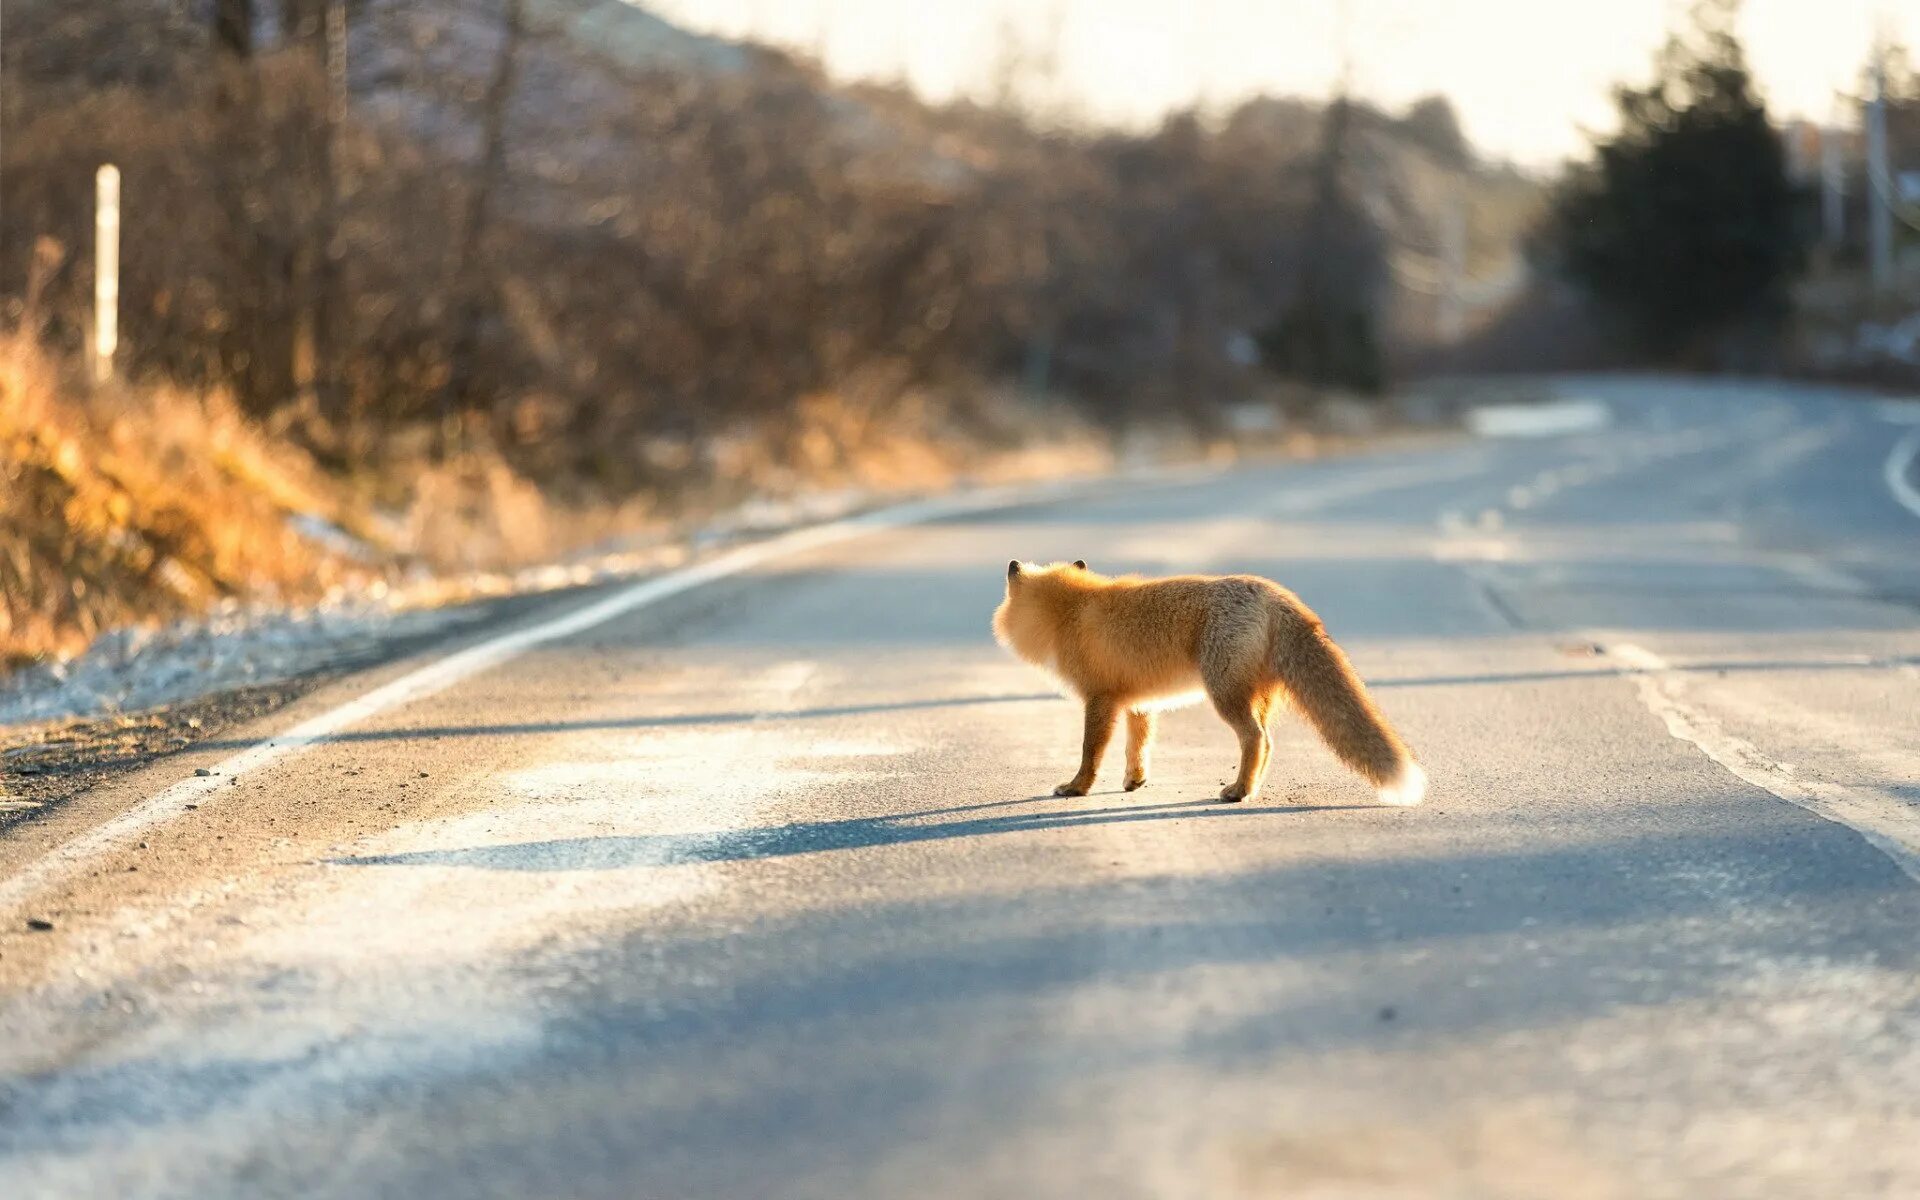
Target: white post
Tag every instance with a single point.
(106, 271)
(1879, 180)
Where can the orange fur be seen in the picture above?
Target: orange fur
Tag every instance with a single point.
(1131, 645)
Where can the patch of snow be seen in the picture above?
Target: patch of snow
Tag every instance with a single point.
(1554, 419)
(326, 533)
(240, 646)
(1253, 418)
(1899, 341)
(235, 647)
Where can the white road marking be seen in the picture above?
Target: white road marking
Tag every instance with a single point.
(1900, 467)
(1296, 501)
(1891, 827)
(1822, 577)
(72, 856)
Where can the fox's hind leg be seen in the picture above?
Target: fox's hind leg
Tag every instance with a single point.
(1101, 713)
(1139, 740)
(1246, 711)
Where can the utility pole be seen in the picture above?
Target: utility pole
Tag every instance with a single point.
(1045, 108)
(336, 66)
(1879, 177)
(1833, 191)
(106, 271)
(1453, 266)
(474, 279)
(318, 28)
(233, 27)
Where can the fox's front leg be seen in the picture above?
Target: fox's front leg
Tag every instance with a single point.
(1139, 739)
(1100, 717)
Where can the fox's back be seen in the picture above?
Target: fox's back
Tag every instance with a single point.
(1158, 633)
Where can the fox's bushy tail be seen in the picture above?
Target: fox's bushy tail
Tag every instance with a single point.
(1323, 686)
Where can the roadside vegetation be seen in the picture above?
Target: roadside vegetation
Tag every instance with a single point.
(1685, 228)
(471, 283)
(1706, 234)
(125, 504)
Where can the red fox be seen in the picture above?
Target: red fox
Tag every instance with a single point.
(1135, 646)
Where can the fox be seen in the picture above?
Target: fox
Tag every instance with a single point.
(1132, 646)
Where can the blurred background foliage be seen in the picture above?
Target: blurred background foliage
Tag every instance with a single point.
(476, 282)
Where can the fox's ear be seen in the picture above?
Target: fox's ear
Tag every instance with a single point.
(1013, 568)
(1081, 563)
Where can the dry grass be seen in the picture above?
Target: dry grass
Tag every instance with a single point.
(121, 504)
(138, 504)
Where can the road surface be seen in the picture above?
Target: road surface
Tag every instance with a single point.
(757, 890)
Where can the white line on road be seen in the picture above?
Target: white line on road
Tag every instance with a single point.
(1822, 577)
(70, 856)
(1889, 826)
(1899, 470)
(1299, 501)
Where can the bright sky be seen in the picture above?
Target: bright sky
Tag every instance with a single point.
(1525, 75)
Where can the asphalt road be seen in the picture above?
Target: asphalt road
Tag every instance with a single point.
(758, 891)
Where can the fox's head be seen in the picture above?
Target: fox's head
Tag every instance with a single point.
(1029, 616)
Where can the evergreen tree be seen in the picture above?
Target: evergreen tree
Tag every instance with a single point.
(1684, 227)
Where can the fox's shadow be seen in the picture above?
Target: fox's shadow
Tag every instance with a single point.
(806, 837)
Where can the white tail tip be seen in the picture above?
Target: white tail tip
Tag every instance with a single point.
(1408, 790)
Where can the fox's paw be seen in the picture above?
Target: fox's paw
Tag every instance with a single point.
(1072, 787)
(1135, 782)
(1233, 793)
